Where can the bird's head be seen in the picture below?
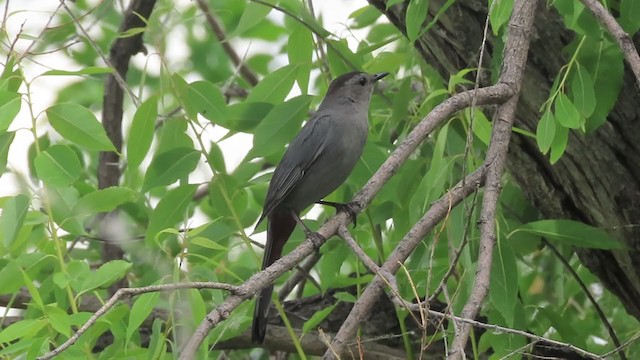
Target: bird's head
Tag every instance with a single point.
(353, 87)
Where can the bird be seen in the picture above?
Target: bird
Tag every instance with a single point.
(318, 160)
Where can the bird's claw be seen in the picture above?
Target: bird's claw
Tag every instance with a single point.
(349, 208)
(316, 239)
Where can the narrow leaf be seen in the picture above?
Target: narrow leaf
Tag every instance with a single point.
(274, 87)
(89, 70)
(106, 275)
(566, 112)
(141, 133)
(168, 167)
(104, 200)
(572, 233)
(12, 217)
(582, 91)
(169, 211)
(280, 125)
(142, 307)
(546, 131)
(58, 166)
(416, 15)
(10, 103)
(5, 143)
(78, 125)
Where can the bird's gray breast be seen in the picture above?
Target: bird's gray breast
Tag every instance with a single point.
(340, 153)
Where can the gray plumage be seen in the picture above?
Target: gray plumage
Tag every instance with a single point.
(318, 161)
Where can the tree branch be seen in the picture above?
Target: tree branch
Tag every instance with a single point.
(514, 63)
(126, 292)
(490, 95)
(407, 245)
(245, 71)
(112, 109)
(620, 36)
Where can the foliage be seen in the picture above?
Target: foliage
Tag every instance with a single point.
(178, 134)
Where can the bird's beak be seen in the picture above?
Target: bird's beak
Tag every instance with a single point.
(379, 76)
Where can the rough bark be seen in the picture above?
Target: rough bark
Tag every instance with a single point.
(597, 181)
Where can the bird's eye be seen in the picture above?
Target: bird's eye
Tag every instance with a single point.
(363, 81)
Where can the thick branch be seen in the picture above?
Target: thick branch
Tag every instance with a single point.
(407, 245)
(489, 95)
(514, 63)
(112, 109)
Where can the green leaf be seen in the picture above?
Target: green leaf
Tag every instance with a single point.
(244, 116)
(78, 125)
(274, 87)
(11, 275)
(300, 52)
(206, 243)
(12, 217)
(385, 61)
(582, 91)
(416, 15)
(58, 319)
(104, 200)
(546, 131)
(6, 139)
(500, 13)
(62, 201)
(141, 133)
(10, 103)
(559, 144)
(168, 167)
(566, 113)
(252, 15)
(629, 19)
(503, 290)
(106, 275)
(280, 125)
(605, 63)
(216, 158)
(169, 211)
(571, 233)
(207, 99)
(58, 166)
(22, 329)
(142, 307)
(317, 318)
(89, 70)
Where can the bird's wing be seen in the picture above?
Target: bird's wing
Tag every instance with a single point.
(307, 145)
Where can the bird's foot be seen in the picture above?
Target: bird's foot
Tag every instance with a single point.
(316, 239)
(349, 208)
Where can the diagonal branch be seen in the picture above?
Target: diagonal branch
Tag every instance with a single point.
(127, 292)
(489, 95)
(245, 71)
(620, 36)
(514, 63)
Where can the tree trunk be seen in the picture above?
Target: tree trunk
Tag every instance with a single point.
(597, 180)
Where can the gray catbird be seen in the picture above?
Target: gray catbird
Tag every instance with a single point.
(318, 160)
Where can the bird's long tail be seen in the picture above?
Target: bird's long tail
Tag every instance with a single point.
(279, 228)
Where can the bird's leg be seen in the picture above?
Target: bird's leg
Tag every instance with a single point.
(349, 208)
(316, 239)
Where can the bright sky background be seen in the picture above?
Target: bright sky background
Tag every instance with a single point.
(32, 15)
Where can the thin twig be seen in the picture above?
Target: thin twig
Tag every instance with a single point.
(245, 71)
(126, 292)
(119, 79)
(586, 291)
